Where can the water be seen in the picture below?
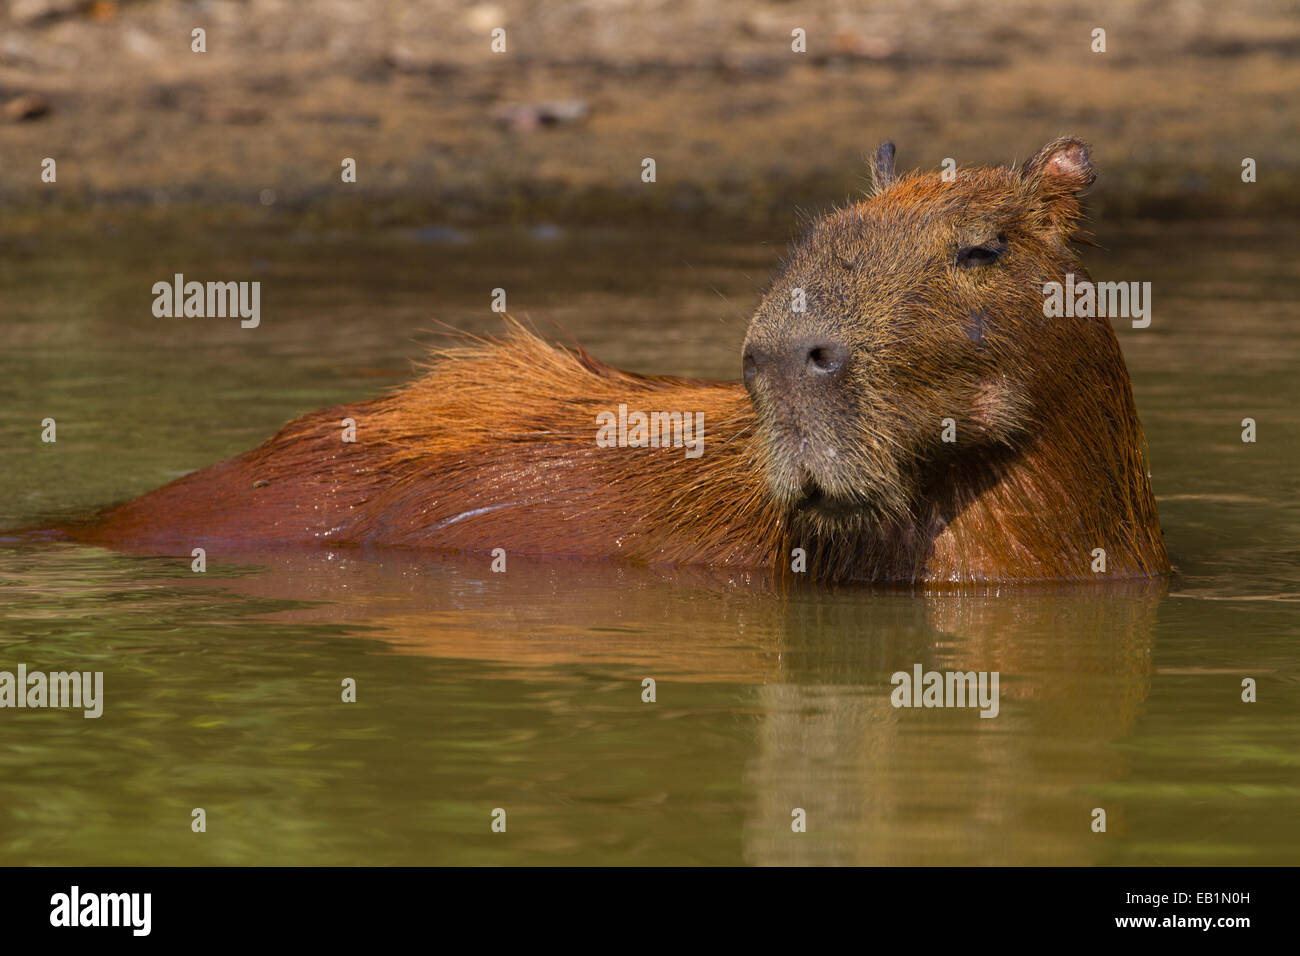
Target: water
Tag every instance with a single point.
(523, 691)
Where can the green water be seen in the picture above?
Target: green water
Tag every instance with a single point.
(523, 691)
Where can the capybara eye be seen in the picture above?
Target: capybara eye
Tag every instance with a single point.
(970, 257)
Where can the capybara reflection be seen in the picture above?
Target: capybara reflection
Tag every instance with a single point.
(907, 414)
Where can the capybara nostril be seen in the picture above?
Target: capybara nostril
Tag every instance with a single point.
(749, 365)
(825, 358)
(820, 359)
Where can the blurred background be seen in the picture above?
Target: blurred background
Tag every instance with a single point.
(444, 128)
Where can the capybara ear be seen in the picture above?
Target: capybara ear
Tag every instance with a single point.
(1063, 164)
(882, 168)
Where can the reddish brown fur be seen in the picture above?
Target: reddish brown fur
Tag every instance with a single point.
(494, 447)
(509, 421)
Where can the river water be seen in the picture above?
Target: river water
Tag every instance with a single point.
(523, 691)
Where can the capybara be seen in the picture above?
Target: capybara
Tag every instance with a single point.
(908, 414)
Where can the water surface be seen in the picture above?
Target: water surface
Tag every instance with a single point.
(523, 691)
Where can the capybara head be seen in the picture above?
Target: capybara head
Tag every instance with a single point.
(918, 305)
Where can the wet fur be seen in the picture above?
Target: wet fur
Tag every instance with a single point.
(494, 445)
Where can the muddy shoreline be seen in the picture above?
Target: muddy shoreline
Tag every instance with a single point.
(556, 127)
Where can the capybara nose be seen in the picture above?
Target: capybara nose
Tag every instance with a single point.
(820, 359)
